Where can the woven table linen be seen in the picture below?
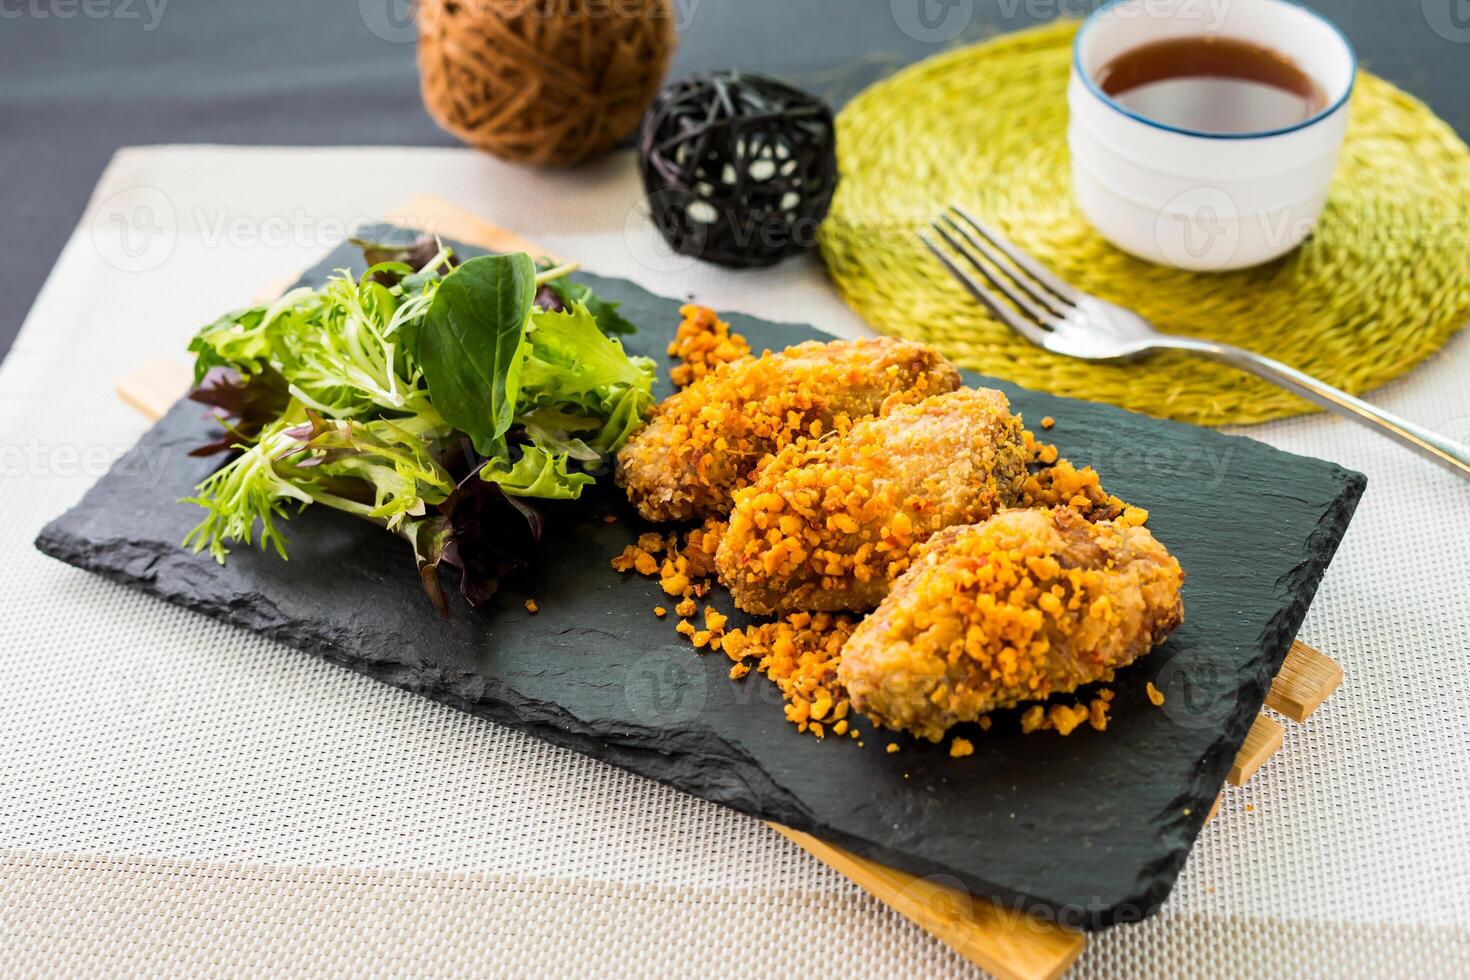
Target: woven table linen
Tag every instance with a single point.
(181, 797)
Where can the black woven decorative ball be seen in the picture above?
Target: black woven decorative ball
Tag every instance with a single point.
(739, 168)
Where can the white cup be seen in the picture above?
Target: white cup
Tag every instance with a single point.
(1198, 200)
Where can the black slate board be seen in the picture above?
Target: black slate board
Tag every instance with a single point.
(1092, 828)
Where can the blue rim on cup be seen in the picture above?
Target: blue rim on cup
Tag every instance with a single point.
(1199, 200)
(1332, 107)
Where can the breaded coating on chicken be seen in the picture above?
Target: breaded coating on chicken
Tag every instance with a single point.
(828, 524)
(704, 443)
(1026, 605)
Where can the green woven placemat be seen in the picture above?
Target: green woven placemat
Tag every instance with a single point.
(1383, 282)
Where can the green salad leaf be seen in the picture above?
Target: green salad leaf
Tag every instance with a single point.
(537, 473)
(236, 340)
(432, 397)
(565, 293)
(570, 360)
(250, 490)
(470, 345)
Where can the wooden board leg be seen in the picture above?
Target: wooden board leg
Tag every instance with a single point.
(1261, 742)
(1307, 677)
(153, 388)
(1006, 942)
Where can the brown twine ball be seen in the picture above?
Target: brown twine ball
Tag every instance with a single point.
(547, 82)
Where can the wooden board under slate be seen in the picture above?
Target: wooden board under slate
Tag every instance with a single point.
(1090, 829)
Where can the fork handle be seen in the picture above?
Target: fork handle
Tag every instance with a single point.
(1446, 452)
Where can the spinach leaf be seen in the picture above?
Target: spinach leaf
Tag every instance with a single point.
(471, 341)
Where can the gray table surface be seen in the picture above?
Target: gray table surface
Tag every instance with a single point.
(80, 78)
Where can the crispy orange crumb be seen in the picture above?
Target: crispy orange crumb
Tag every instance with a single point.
(1048, 422)
(1154, 695)
(1065, 719)
(960, 748)
(531, 607)
(703, 342)
(800, 654)
(624, 561)
(738, 671)
(686, 607)
(1059, 483)
(892, 747)
(678, 565)
(735, 644)
(685, 628)
(660, 611)
(699, 546)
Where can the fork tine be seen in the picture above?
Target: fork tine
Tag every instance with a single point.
(1004, 281)
(1035, 293)
(1038, 271)
(1026, 328)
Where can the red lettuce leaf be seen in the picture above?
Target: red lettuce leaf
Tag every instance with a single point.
(242, 404)
(480, 531)
(415, 254)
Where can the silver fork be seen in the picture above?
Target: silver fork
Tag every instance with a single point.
(1065, 320)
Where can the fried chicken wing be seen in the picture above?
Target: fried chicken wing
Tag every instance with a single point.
(828, 524)
(1025, 605)
(704, 443)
